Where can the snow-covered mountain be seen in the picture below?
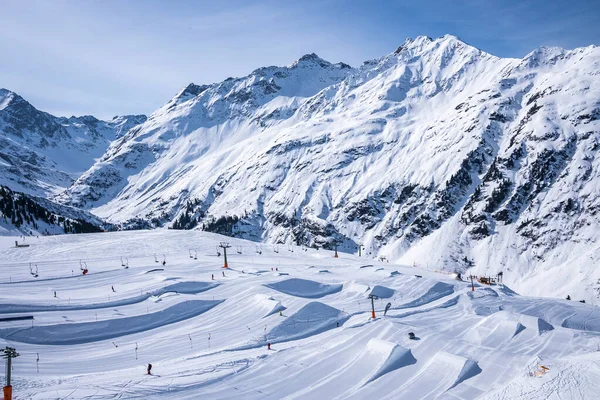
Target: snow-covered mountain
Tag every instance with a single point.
(41, 154)
(26, 215)
(438, 154)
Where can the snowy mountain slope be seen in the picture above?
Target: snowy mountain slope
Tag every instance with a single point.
(92, 336)
(437, 154)
(199, 121)
(22, 214)
(41, 154)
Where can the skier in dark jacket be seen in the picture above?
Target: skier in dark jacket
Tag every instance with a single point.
(149, 369)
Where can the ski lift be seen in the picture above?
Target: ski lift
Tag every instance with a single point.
(276, 249)
(290, 249)
(126, 262)
(155, 258)
(239, 249)
(34, 274)
(164, 260)
(195, 255)
(218, 251)
(190, 251)
(258, 250)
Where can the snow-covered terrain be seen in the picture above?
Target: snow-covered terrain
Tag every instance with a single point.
(438, 154)
(92, 336)
(41, 154)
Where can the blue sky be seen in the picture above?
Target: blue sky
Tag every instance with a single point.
(105, 57)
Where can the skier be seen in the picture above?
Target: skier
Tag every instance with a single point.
(568, 297)
(213, 276)
(223, 274)
(268, 346)
(113, 289)
(149, 369)
(85, 271)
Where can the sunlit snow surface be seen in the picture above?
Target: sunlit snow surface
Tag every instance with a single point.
(208, 338)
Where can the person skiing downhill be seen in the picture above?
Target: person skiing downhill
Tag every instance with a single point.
(149, 369)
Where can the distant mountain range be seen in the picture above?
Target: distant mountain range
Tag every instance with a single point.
(438, 155)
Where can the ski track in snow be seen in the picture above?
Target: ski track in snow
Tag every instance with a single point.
(207, 338)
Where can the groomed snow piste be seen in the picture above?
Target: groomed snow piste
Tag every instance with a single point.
(92, 335)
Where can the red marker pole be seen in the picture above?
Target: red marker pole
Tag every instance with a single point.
(372, 297)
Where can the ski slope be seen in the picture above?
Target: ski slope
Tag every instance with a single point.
(92, 336)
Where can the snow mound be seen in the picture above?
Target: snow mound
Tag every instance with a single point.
(470, 369)
(503, 326)
(312, 319)
(543, 326)
(268, 304)
(444, 370)
(356, 287)
(520, 328)
(85, 332)
(382, 292)
(385, 357)
(187, 287)
(436, 292)
(180, 287)
(304, 288)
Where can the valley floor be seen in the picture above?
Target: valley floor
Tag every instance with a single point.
(93, 335)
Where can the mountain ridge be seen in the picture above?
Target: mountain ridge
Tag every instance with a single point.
(42, 154)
